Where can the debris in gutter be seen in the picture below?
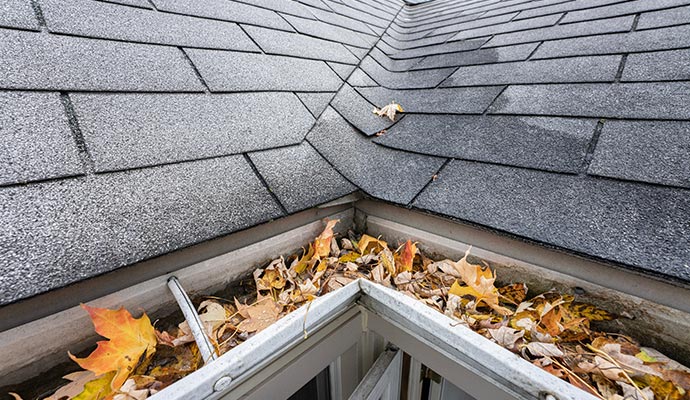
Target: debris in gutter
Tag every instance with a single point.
(389, 110)
(551, 330)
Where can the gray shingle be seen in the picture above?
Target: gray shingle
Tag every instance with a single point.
(230, 71)
(555, 144)
(36, 138)
(85, 227)
(579, 69)
(111, 21)
(658, 66)
(629, 223)
(403, 45)
(343, 70)
(648, 151)
(477, 23)
(358, 111)
(620, 24)
(377, 19)
(342, 21)
(287, 7)
(656, 39)
(450, 47)
(524, 7)
(360, 79)
(390, 64)
(326, 31)
(300, 177)
(480, 56)
(133, 3)
(628, 100)
(659, 19)
(404, 80)
(316, 102)
(35, 61)
(388, 174)
(225, 10)
(630, 7)
(128, 131)
(564, 7)
(523, 24)
(442, 101)
(358, 51)
(18, 14)
(294, 44)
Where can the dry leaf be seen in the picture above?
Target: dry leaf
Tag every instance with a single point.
(322, 244)
(506, 336)
(367, 244)
(130, 339)
(406, 258)
(539, 349)
(389, 111)
(260, 315)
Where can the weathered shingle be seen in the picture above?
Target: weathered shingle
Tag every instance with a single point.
(631, 100)
(36, 141)
(659, 19)
(18, 14)
(630, 7)
(326, 31)
(634, 224)
(358, 111)
(294, 44)
(111, 21)
(282, 6)
(481, 56)
(36, 61)
(404, 80)
(150, 129)
(225, 10)
(658, 66)
(300, 177)
(579, 69)
(229, 71)
(444, 101)
(388, 174)
(85, 227)
(316, 102)
(554, 144)
(648, 151)
(523, 24)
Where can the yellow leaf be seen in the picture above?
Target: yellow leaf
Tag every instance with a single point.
(663, 389)
(481, 284)
(322, 244)
(590, 312)
(98, 389)
(130, 339)
(349, 257)
(642, 355)
(386, 259)
(367, 244)
(303, 263)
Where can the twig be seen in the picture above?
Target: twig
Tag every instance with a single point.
(614, 362)
(574, 375)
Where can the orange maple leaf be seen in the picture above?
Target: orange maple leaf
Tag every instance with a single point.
(406, 257)
(130, 338)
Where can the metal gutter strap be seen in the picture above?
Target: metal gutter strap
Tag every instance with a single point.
(208, 353)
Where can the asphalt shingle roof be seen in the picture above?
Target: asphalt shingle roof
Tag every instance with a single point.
(131, 128)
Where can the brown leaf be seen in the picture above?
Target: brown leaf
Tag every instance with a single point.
(322, 244)
(389, 111)
(515, 293)
(261, 315)
(405, 259)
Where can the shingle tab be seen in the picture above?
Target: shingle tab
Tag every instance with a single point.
(648, 151)
(481, 56)
(358, 111)
(630, 100)
(390, 64)
(35, 61)
(343, 70)
(342, 21)
(629, 7)
(634, 224)
(658, 66)
(300, 177)
(388, 174)
(225, 10)
(620, 24)
(374, 21)
(656, 39)
(477, 23)
(294, 44)
(230, 71)
(127, 131)
(36, 138)
(555, 144)
(316, 102)
(94, 225)
(564, 7)
(659, 19)
(282, 6)
(404, 80)
(18, 14)
(523, 24)
(133, 3)
(104, 20)
(326, 31)
(579, 69)
(450, 47)
(443, 101)
(360, 79)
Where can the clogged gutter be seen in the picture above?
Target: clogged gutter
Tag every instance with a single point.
(550, 330)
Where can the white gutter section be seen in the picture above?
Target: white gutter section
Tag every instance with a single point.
(491, 371)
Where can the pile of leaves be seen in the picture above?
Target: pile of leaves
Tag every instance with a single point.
(551, 330)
